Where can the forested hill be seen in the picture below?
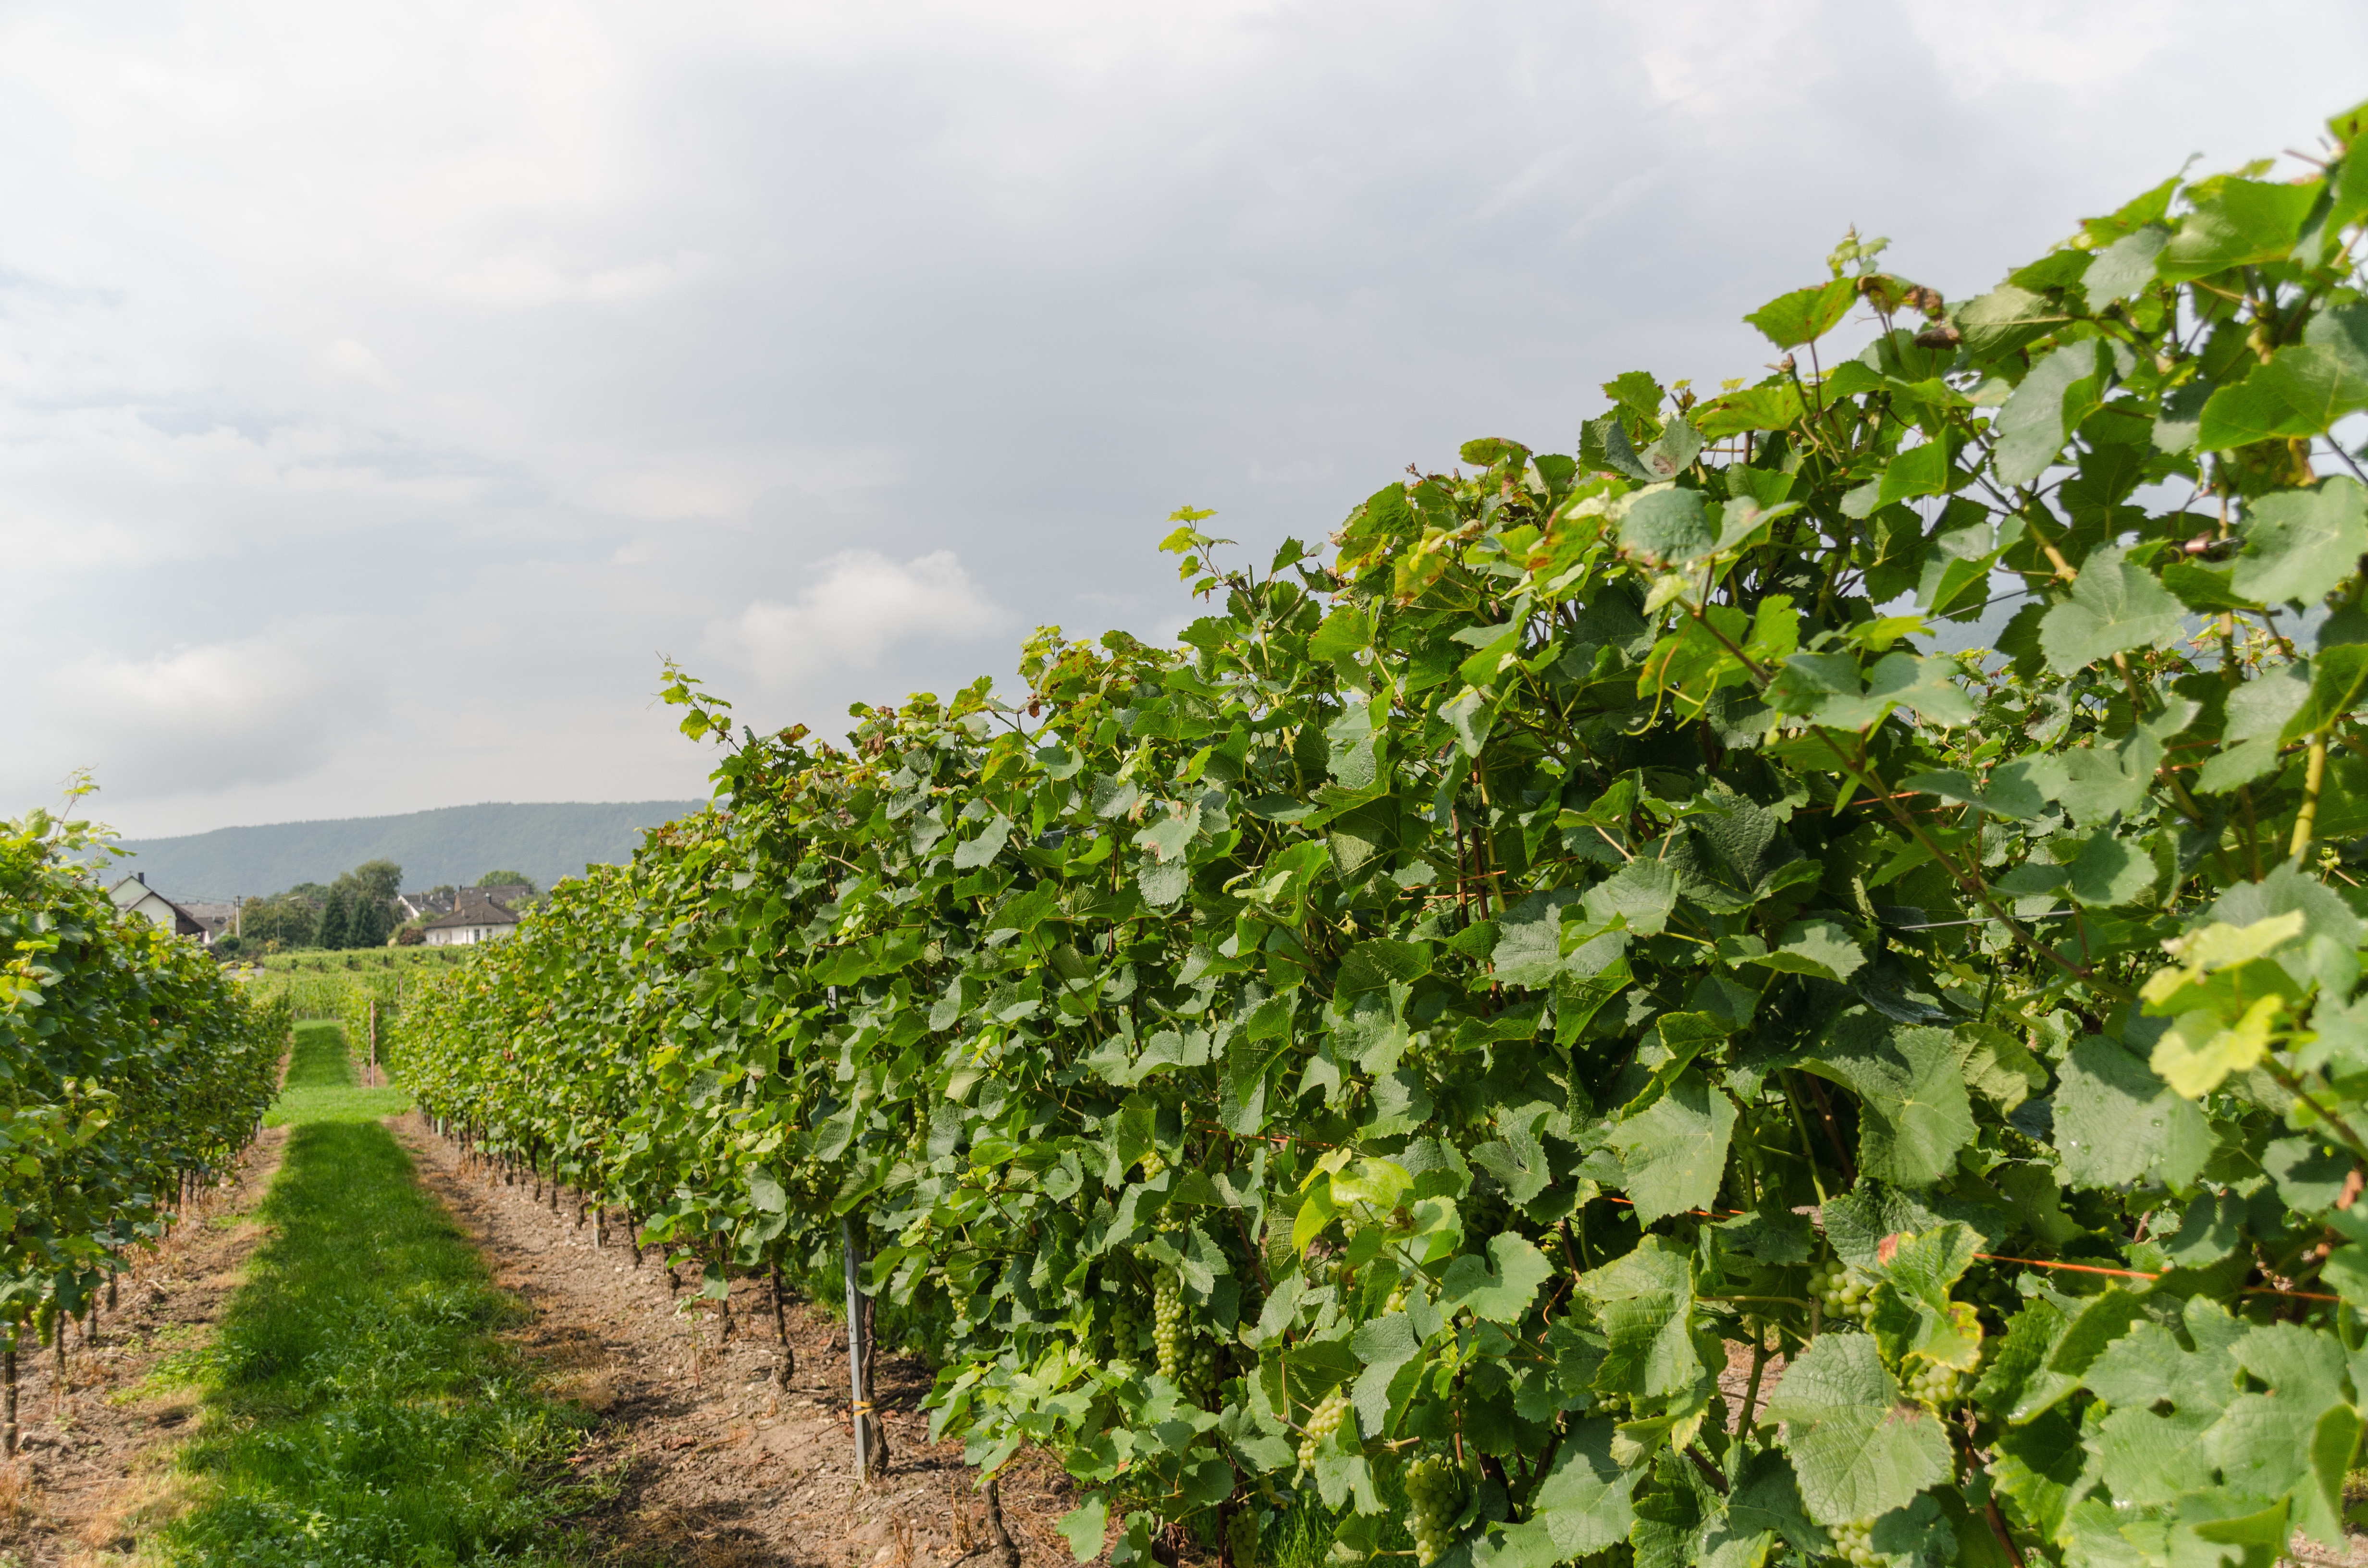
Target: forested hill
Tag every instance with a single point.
(454, 844)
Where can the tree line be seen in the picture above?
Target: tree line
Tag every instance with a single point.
(359, 909)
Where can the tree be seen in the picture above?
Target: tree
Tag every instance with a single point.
(369, 922)
(379, 879)
(368, 890)
(507, 880)
(285, 918)
(334, 918)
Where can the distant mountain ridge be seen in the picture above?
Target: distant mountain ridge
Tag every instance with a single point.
(452, 844)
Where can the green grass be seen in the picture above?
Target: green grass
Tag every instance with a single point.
(321, 960)
(360, 1407)
(321, 1084)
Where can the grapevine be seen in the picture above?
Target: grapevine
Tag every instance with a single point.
(1583, 893)
(134, 1067)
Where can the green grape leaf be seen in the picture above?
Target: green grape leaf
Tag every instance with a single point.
(2117, 1123)
(1673, 1153)
(2123, 267)
(1805, 315)
(1385, 1345)
(1529, 939)
(1584, 1499)
(2302, 391)
(1642, 893)
(1776, 408)
(2242, 224)
(1084, 1526)
(1644, 1304)
(2336, 677)
(1857, 1450)
(1916, 1113)
(1501, 1287)
(1997, 1066)
(1913, 1316)
(2114, 607)
(1668, 526)
(2297, 1438)
(972, 853)
(2300, 543)
(2110, 869)
(1822, 947)
(2058, 391)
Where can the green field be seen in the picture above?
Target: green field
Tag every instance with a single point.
(360, 1406)
(321, 1086)
(323, 960)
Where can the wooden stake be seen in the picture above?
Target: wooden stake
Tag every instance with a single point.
(786, 1366)
(862, 1411)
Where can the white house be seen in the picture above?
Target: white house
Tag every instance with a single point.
(134, 896)
(476, 920)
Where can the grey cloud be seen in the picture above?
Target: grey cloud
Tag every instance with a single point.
(541, 341)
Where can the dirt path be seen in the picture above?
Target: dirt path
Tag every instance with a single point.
(93, 1472)
(719, 1469)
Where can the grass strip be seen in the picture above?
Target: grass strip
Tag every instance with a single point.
(360, 1408)
(321, 1084)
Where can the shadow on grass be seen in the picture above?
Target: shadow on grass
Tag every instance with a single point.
(360, 1408)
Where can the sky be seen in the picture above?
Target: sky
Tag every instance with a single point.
(384, 390)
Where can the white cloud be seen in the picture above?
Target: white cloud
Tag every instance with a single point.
(858, 606)
(201, 719)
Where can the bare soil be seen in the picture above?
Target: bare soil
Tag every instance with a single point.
(712, 1465)
(93, 1472)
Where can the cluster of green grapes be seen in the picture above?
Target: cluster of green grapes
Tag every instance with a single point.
(1933, 1384)
(1242, 1535)
(1200, 1368)
(1126, 1329)
(1152, 1166)
(1168, 1323)
(1855, 1542)
(1612, 1405)
(1844, 1293)
(1322, 1422)
(1397, 1302)
(1437, 1494)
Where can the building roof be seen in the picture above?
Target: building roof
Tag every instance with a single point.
(479, 912)
(134, 893)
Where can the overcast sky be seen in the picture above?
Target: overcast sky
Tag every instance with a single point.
(383, 390)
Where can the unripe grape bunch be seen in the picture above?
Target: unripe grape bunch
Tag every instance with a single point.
(1844, 1293)
(1126, 1327)
(1242, 1535)
(1167, 1325)
(1437, 1494)
(1932, 1384)
(1854, 1541)
(1322, 1422)
(1199, 1367)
